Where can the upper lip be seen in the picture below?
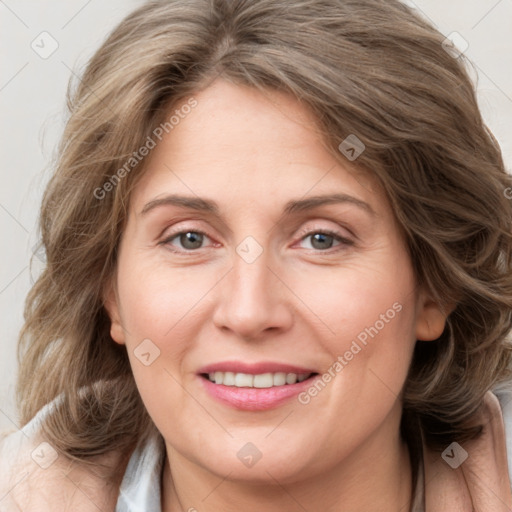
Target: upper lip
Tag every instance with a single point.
(254, 368)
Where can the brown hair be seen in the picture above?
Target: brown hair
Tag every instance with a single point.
(370, 68)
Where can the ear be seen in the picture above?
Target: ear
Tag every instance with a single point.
(431, 318)
(111, 303)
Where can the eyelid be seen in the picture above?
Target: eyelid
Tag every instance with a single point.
(174, 234)
(335, 231)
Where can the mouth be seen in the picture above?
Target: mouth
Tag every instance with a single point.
(255, 387)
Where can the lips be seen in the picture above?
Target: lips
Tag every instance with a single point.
(255, 386)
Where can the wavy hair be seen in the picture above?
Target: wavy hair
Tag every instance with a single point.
(371, 68)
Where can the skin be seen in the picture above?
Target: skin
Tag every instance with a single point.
(296, 303)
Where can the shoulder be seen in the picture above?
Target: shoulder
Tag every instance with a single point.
(35, 477)
(475, 476)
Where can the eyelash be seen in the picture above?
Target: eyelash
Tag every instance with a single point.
(343, 241)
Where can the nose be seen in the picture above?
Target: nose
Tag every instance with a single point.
(253, 300)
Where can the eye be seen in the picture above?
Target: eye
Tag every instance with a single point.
(323, 240)
(189, 240)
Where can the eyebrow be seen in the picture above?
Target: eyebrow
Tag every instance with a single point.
(293, 206)
(315, 201)
(194, 203)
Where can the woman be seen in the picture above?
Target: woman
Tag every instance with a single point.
(279, 273)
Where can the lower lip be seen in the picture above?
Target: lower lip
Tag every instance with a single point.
(255, 399)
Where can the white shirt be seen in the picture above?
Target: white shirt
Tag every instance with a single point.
(140, 489)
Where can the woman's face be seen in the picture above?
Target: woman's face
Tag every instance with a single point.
(293, 265)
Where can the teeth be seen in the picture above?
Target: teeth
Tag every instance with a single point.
(279, 379)
(229, 379)
(291, 378)
(242, 380)
(262, 380)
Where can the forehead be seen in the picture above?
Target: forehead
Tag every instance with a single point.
(247, 146)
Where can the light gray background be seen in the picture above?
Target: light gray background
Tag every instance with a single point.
(32, 91)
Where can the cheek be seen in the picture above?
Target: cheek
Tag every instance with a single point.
(157, 312)
(156, 304)
(369, 316)
(378, 294)
(369, 353)
(158, 301)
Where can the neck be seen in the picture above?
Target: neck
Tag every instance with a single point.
(376, 476)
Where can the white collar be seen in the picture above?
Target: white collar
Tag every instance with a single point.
(140, 489)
